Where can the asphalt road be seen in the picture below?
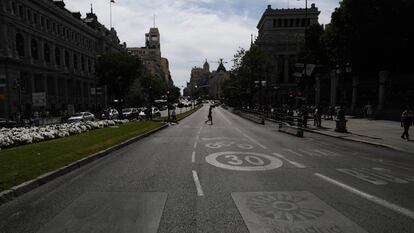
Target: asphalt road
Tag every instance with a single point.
(232, 176)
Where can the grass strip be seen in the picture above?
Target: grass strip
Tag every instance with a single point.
(24, 163)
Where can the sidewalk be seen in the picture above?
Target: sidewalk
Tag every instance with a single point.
(375, 132)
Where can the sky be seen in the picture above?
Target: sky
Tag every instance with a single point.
(191, 30)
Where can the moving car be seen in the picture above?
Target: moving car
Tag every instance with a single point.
(145, 113)
(81, 116)
(130, 113)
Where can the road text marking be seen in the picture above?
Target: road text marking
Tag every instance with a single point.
(200, 192)
(369, 197)
(243, 161)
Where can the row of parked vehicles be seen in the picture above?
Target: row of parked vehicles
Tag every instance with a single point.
(113, 114)
(108, 114)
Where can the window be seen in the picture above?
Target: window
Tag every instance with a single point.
(42, 21)
(297, 22)
(82, 63)
(20, 10)
(48, 24)
(13, 8)
(89, 65)
(280, 22)
(29, 15)
(46, 52)
(57, 56)
(274, 23)
(36, 21)
(34, 49)
(66, 58)
(75, 61)
(286, 23)
(20, 45)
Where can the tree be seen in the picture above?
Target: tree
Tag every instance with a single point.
(118, 71)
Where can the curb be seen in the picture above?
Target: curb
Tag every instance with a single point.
(27, 186)
(256, 119)
(360, 141)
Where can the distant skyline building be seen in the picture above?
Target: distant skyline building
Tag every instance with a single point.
(48, 56)
(151, 57)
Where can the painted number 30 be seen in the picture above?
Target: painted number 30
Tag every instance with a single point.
(251, 159)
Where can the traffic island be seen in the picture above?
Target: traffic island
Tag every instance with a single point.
(292, 130)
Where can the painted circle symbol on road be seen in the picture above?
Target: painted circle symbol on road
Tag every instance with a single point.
(243, 161)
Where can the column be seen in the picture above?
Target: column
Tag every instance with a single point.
(334, 81)
(383, 76)
(286, 69)
(355, 83)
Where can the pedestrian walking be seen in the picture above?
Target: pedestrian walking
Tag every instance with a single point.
(406, 122)
(174, 116)
(210, 115)
(317, 117)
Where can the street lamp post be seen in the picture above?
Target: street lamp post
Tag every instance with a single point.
(18, 87)
(340, 117)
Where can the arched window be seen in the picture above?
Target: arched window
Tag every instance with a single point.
(46, 51)
(66, 58)
(34, 49)
(57, 56)
(20, 45)
(89, 66)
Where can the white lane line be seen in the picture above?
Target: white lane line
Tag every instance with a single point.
(254, 141)
(293, 152)
(296, 164)
(377, 200)
(239, 130)
(321, 152)
(195, 144)
(200, 192)
(225, 118)
(306, 152)
(193, 157)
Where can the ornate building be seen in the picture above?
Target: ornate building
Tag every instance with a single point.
(282, 35)
(47, 58)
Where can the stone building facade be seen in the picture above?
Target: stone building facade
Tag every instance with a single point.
(282, 35)
(47, 58)
(216, 81)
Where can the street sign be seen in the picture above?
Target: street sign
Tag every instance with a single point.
(39, 99)
(2, 80)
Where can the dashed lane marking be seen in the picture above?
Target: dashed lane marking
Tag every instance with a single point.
(296, 164)
(195, 144)
(200, 192)
(377, 200)
(254, 141)
(193, 157)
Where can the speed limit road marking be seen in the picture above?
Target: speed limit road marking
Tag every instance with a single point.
(243, 161)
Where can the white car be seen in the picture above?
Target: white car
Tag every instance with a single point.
(81, 116)
(110, 114)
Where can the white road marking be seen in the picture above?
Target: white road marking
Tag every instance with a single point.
(379, 201)
(306, 152)
(195, 144)
(243, 161)
(384, 175)
(362, 176)
(225, 118)
(254, 141)
(239, 130)
(293, 152)
(200, 192)
(321, 152)
(296, 164)
(193, 157)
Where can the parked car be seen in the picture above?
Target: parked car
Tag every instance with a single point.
(145, 113)
(81, 116)
(110, 114)
(130, 113)
(5, 123)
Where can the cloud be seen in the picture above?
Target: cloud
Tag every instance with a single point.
(191, 30)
